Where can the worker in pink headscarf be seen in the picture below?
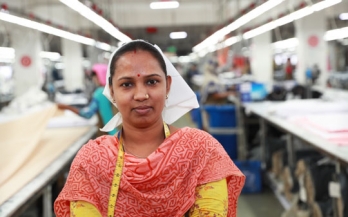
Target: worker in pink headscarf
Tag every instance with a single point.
(99, 103)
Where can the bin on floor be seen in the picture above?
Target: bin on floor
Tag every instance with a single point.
(222, 126)
(221, 115)
(196, 115)
(229, 142)
(252, 171)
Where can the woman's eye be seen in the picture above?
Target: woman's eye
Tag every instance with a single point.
(126, 85)
(152, 82)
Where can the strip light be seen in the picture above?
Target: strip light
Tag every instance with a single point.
(285, 44)
(344, 16)
(336, 34)
(54, 56)
(291, 17)
(228, 42)
(9, 53)
(95, 18)
(178, 35)
(164, 5)
(218, 35)
(45, 28)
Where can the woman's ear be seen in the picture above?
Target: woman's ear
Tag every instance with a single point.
(111, 91)
(169, 83)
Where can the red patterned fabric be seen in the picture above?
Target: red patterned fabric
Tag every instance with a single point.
(161, 185)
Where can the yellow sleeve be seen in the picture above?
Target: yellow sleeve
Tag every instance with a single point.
(83, 209)
(211, 200)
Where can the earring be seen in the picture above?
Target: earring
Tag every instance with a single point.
(167, 96)
(146, 96)
(113, 100)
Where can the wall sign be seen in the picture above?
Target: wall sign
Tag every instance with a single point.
(313, 41)
(26, 61)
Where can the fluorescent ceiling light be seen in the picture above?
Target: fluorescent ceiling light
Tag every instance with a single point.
(185, 59)
(219, 35)
(103, 46)
(9, 53)
(344, 16)
(258, 31)
(178, 35)
(164, 5)
(173, 59)
(7, 50)
(230, 41)
(45, 28)
(290, 18)
(95, 18)
(285, 44)
(336, 34)
(54, 56)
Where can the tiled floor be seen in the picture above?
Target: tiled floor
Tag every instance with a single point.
(263, 204)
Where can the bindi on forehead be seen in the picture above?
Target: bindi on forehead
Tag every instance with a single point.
(138, 75)
(135, 50)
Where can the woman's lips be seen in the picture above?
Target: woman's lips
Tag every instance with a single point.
(142, 110)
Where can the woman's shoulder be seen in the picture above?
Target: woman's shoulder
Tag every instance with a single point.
(194, 134)
(98, 146)
(101, 141)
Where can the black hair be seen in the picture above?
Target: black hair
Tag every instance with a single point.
(134, 46)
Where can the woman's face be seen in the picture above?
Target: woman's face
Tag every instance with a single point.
(139, 87)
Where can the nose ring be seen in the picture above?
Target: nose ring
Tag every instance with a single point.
(146, 96)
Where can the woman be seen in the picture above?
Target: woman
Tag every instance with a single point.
(99, 103)
(150, 168)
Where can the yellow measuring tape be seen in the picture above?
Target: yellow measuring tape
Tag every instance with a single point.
(118, 172)
(116, 180)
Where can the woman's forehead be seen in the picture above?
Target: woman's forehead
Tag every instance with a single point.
(138, 61)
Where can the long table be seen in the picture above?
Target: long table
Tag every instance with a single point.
(261, 109)
(55, 151)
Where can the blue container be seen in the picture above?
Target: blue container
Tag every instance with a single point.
(196, 114)
(252, 171)
(221, 115)
(229, 142)
(197, 117)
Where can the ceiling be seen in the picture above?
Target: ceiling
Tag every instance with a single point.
(199, 18)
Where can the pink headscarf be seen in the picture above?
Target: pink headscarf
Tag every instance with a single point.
(100, 70)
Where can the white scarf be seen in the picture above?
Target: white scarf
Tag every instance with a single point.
(181, 99)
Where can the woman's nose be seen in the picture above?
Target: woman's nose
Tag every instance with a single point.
(140, 93)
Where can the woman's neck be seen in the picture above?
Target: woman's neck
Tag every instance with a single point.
(142, 141)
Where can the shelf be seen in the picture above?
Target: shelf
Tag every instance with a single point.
(276, 186)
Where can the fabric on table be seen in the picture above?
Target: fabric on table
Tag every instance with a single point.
(323, 126)
(52, 144)
(307, 107)
(19, 139)
(164, 182)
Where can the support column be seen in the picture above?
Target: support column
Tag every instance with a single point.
(73, 68)
(312, 48)
(95, 55)
(28, 67)
(261, 58)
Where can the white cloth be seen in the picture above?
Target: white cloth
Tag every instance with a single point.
(181, 99)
